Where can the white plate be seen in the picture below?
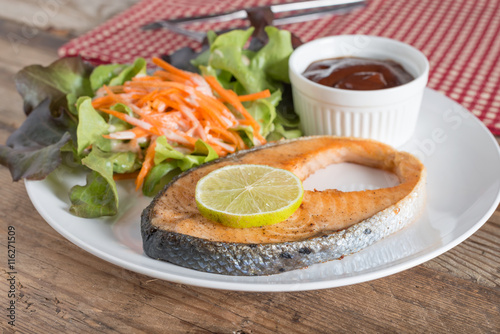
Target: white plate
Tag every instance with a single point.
(463, 162)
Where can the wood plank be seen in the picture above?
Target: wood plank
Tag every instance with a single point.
(11, 111)
(41, 49)
(475, 259)
(20, 35)
(63, 285)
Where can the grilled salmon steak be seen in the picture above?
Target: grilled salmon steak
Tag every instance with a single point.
(328, 225)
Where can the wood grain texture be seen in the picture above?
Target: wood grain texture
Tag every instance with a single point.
(62, 288)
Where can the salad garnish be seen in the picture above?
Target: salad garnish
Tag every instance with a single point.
(179, 106)
(120, 121)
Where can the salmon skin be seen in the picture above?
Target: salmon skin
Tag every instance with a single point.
(328, 225)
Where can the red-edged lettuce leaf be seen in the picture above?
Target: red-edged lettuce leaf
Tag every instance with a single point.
(33, 150)
(66, 76)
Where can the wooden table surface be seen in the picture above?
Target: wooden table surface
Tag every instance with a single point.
(62, 288)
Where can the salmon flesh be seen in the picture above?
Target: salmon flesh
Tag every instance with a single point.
(328, 225)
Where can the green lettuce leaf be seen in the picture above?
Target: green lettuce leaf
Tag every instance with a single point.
(254, 71)
(116, 74)
(123, 109)
(91, 127)
(284, 128)
(164, 150)
(138, 67)
(159, 176)
(202, 153)
(33, 150)
(273, 57)
(203, 149)
(246, 72)
(123, 162)
(227, 56)
(264, 111)
(170, 162)
(95, 199)
(103, 74)
(246, 133)
(99, 197)
(117, 124)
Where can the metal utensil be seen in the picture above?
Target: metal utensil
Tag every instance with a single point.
(326, 7)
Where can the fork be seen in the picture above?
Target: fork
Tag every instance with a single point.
(326, 7)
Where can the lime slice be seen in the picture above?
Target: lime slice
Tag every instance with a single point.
(249, 195)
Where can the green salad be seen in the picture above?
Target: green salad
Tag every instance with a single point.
(122, 121)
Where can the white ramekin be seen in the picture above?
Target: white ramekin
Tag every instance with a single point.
(388, 115)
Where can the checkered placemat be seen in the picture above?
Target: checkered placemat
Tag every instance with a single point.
(460, 38)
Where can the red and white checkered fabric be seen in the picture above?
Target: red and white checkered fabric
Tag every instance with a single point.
(461, 39)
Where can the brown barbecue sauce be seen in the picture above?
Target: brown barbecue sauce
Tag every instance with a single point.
(357, 73)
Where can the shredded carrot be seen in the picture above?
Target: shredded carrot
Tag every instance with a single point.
(225, 134)
(255, 96)
(169, 68)
(231, 97)
(168, 102)
(146, 78)
(240, 143)
(148, 97)
(146, 165)
(102, 101)
(156, 84)
(226, 119)
(169, 76)
(133, 121)
(182, 106)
